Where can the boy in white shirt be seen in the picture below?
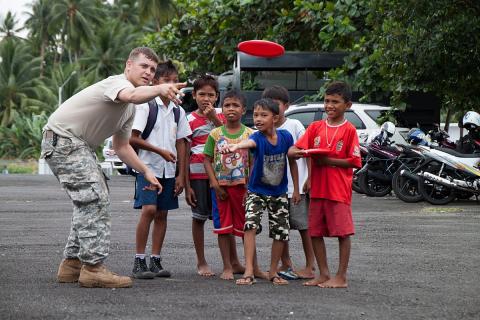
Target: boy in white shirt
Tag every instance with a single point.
(163, 152)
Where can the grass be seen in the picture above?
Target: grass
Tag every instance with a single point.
(15, 166)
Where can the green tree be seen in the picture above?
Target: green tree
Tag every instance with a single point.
(18, 71)
(108, 51)
(37, 24)
(75, 20)
(160, 11)
(8, 27)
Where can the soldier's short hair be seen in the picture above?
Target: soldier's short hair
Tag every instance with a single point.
(146, 51)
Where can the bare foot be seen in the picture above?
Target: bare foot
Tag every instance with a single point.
(227, 275)
(335, 282)
(205, 271)
(261, 275)
(305, 273)
(238, 268)
(317, 281)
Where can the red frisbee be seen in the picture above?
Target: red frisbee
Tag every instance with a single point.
(261, 48)
(319, 151)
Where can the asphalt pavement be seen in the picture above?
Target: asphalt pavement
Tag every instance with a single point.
(408, 261)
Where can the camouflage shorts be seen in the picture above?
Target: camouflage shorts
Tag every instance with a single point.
(277, 209)
(76, 167)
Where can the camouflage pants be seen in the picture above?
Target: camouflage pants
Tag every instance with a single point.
(76, 168)
(277, 209)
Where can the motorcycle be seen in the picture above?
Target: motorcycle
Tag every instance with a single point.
(446, 174)
(363, 153)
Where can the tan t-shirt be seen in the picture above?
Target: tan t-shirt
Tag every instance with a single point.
(95, 113)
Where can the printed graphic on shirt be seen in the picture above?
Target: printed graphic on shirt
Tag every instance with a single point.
(339, 145)
(316, 142)
(232, 166)
(273, 169)
(356, 151)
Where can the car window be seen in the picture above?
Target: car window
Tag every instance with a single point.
(305, 117)
(374, 114)
(352, 118)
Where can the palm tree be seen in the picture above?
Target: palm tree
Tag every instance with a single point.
(109, 50)
(76, 19)
(37, 23)
(125, 11)
(7, 27)
(18, 71)
(161, 11)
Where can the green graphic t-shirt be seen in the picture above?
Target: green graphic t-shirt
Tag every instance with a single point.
(231, 168)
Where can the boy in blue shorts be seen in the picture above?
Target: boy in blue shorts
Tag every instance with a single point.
(267, 187)
(159, 151)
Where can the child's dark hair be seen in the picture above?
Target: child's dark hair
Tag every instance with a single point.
(165, 69)
(276, 93)
(235, 94)
(267, 104)
(205, 80)
(341, 88)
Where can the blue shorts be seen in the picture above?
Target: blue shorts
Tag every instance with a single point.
(164, 201)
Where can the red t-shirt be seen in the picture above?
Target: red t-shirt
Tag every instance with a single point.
(333, 183)
(201, 128)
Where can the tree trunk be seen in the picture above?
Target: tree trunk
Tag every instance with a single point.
(447, 119)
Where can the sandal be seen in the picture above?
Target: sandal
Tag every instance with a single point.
(278, 281)
(288, 274)
(246, 281)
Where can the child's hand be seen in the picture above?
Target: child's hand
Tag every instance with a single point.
(220, 192)
(167, 155)
(306, 186)
(322, 160)
(228, 148)
(296, 198)
(210, 112)
(190, 197)
(179, 185)
(296, 154)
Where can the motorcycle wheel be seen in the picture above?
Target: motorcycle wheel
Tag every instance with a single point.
(435, 193)
(356, 185)
(406, 189)
(373, 188)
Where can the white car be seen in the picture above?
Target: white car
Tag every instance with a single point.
(362, 116)
(112, 158)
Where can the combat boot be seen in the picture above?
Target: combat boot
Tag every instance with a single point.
(69, 270)
(98, 276)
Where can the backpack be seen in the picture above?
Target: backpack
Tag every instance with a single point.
(151, 119)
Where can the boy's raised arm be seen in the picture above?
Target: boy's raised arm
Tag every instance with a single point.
(244, 144)
(295, 153)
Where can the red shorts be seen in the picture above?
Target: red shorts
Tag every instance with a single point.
(328, 218)
(230, 216)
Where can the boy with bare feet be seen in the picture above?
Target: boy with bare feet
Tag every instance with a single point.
(267, 187)
(228, 177)
(298, 213)
(330, 213)
(197, 190)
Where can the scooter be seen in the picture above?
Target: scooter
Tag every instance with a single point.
(446, 174)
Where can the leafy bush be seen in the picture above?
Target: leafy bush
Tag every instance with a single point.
(23, 138)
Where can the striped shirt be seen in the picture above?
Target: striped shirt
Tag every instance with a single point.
(201, 127)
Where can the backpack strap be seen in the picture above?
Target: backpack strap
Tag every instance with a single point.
(176, 114)
(152, 118)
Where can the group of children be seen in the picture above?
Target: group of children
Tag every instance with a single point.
(233, 174)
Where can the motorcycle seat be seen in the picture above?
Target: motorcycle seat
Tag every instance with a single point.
(457, 154)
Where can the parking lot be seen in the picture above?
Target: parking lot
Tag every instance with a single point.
(409, 261)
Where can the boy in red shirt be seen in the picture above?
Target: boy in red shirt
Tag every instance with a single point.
(330, 213)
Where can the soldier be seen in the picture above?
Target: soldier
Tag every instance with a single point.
(70, 138)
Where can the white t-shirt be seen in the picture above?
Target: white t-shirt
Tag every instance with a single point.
(164, 135)
(297, 130)
(95, 113)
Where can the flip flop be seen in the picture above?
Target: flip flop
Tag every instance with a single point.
(288, 274)
(246, 281)
(278, 281)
